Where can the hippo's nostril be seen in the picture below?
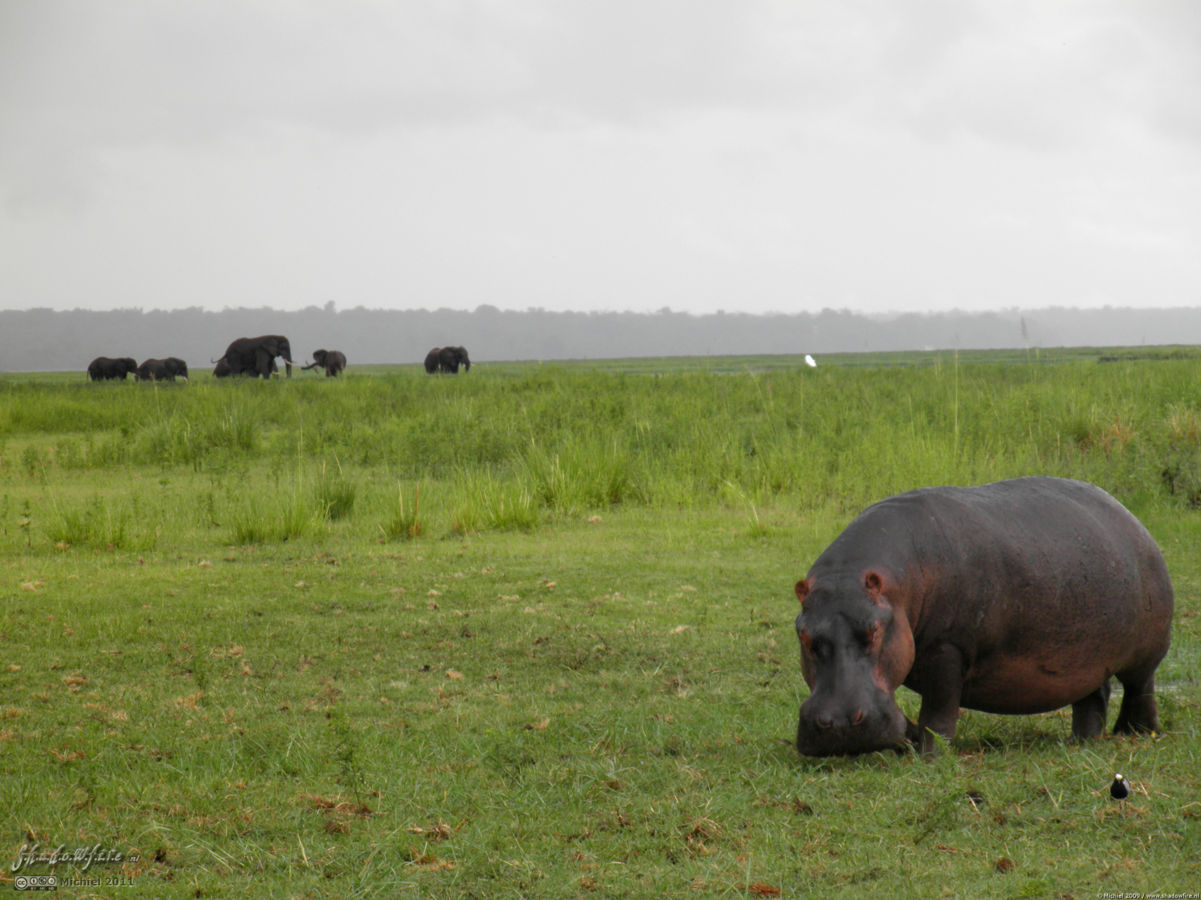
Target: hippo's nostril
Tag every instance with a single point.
(824, 722)
(858, 719)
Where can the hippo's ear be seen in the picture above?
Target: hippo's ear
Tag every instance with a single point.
(802, 591)
(873, 583)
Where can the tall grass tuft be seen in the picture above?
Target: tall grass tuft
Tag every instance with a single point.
(580, 475)
(105, 523)
(335, 493)
(404, 521)
(269, 518)
(486, 502)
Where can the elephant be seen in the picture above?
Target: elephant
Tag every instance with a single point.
(256, 356)
(102, 368)
(447, 359)
(333, 361)
(162, 369)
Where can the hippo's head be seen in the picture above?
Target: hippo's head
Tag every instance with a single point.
(855, 651)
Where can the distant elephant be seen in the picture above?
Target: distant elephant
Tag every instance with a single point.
(256, 356)
(102, 368)
(447, 359)
(333, 361)
(162, 369)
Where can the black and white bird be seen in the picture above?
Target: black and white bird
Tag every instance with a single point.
(1120, 789)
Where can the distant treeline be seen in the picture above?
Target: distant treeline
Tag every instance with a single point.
(46, 340)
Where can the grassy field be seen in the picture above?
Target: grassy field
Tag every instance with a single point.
(527, 632)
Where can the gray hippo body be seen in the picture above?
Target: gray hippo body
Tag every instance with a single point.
(1017, 597)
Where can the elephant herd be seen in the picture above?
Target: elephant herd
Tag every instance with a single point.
(256, 357)
(102, 368)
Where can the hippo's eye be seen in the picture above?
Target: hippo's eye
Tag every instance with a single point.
(872, 636)
(818, 647)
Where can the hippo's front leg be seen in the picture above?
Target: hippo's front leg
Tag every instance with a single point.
(1088, 714)
(941, 686)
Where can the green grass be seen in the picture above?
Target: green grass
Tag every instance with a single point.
(528, 631)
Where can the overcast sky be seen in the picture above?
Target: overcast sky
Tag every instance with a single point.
(873, 155)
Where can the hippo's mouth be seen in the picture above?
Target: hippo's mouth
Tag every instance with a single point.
(845, 745)
(884, 730)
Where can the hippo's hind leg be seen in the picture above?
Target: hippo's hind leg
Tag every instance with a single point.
(1138, 711)
(1088, 714)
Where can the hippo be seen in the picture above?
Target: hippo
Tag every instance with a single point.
(1018, 597)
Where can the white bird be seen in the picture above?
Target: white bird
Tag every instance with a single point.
(810, 361)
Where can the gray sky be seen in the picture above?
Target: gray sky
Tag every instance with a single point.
(877, 155)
